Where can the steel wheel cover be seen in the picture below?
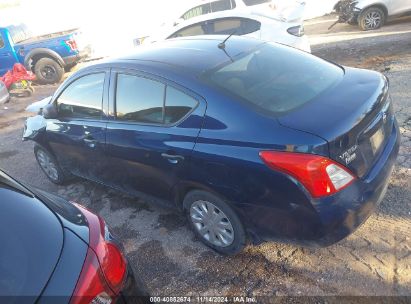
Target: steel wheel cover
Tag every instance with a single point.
(212, 223)
(48, 165)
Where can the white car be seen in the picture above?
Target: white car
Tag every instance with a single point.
(290, 10)
(269, 7)
(240, 24)
(372, 14)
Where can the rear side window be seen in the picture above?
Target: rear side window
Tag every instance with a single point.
(143, 100)
(178, 105)
(83, 98)
(1, 42)
(139, 99)
(275, 78)
(212, 7)
(197, 11)
(255, 2)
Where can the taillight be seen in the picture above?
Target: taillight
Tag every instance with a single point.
(321, 176)
(72, 44)
(105, 268)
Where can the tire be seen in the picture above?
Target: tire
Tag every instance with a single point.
(48, 71)
(371, 18)
(228, 236)
(50, 167)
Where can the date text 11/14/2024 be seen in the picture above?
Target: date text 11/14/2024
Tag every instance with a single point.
(203, 299)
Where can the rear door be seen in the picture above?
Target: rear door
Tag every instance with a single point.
(77, 137)
(153, 132)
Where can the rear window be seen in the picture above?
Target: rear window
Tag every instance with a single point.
(19, 33)
(255, 2)
(275, 78)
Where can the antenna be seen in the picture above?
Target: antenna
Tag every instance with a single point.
(221, 45)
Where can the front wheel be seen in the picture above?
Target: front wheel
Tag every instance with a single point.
(371, 18)
(214, 222)
(49, 166)
(48, 71)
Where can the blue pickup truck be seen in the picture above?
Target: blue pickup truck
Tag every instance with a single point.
(48, 56)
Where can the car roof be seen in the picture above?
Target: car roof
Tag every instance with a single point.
(191, 54)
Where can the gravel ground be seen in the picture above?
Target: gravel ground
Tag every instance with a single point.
(375, 260)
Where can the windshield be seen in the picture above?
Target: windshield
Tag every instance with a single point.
(276, 78)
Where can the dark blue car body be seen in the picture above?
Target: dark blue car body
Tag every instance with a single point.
(216, 146)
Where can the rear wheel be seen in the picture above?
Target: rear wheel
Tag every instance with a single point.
(48, 71)
(214, 222)
(49, 166)
(371, 18)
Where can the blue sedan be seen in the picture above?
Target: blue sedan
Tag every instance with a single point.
(253, 141)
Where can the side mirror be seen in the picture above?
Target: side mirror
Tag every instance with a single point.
(50, 111)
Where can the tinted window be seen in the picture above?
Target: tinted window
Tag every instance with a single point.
(255, 2)
(238, 26)
(193, 30)
(83, 98)
(223, 5)
(178, 105)
(139, 99)
(276, 78)
(197, 11)
(1, 42)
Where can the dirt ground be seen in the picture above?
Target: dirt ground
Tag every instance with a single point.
(375, 260)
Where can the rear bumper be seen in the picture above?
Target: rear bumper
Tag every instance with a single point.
(134, 290)
(335, 217)
(69, 60)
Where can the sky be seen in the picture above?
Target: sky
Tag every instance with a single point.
(109, 25)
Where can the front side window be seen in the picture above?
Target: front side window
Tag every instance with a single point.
(139, 99)
(83, 98)
(1, 42)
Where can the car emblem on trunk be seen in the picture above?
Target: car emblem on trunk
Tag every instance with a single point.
(349, 155)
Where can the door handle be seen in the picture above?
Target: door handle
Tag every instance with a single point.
(172, 158)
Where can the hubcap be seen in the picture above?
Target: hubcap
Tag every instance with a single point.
(372, 20)
(212, 223)
(47, 164)
(48, 72)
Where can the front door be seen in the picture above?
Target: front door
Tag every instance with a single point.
(397, 7)
(7, 55)
(77, 137)
(153, 132)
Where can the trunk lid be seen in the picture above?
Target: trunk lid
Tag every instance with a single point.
(355, 117)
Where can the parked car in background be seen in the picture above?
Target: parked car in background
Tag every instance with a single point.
(292, 11)
(52, 249)
(228, 131)
(371, 14)
(4, 93)
(48, 56)
(240, 24)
